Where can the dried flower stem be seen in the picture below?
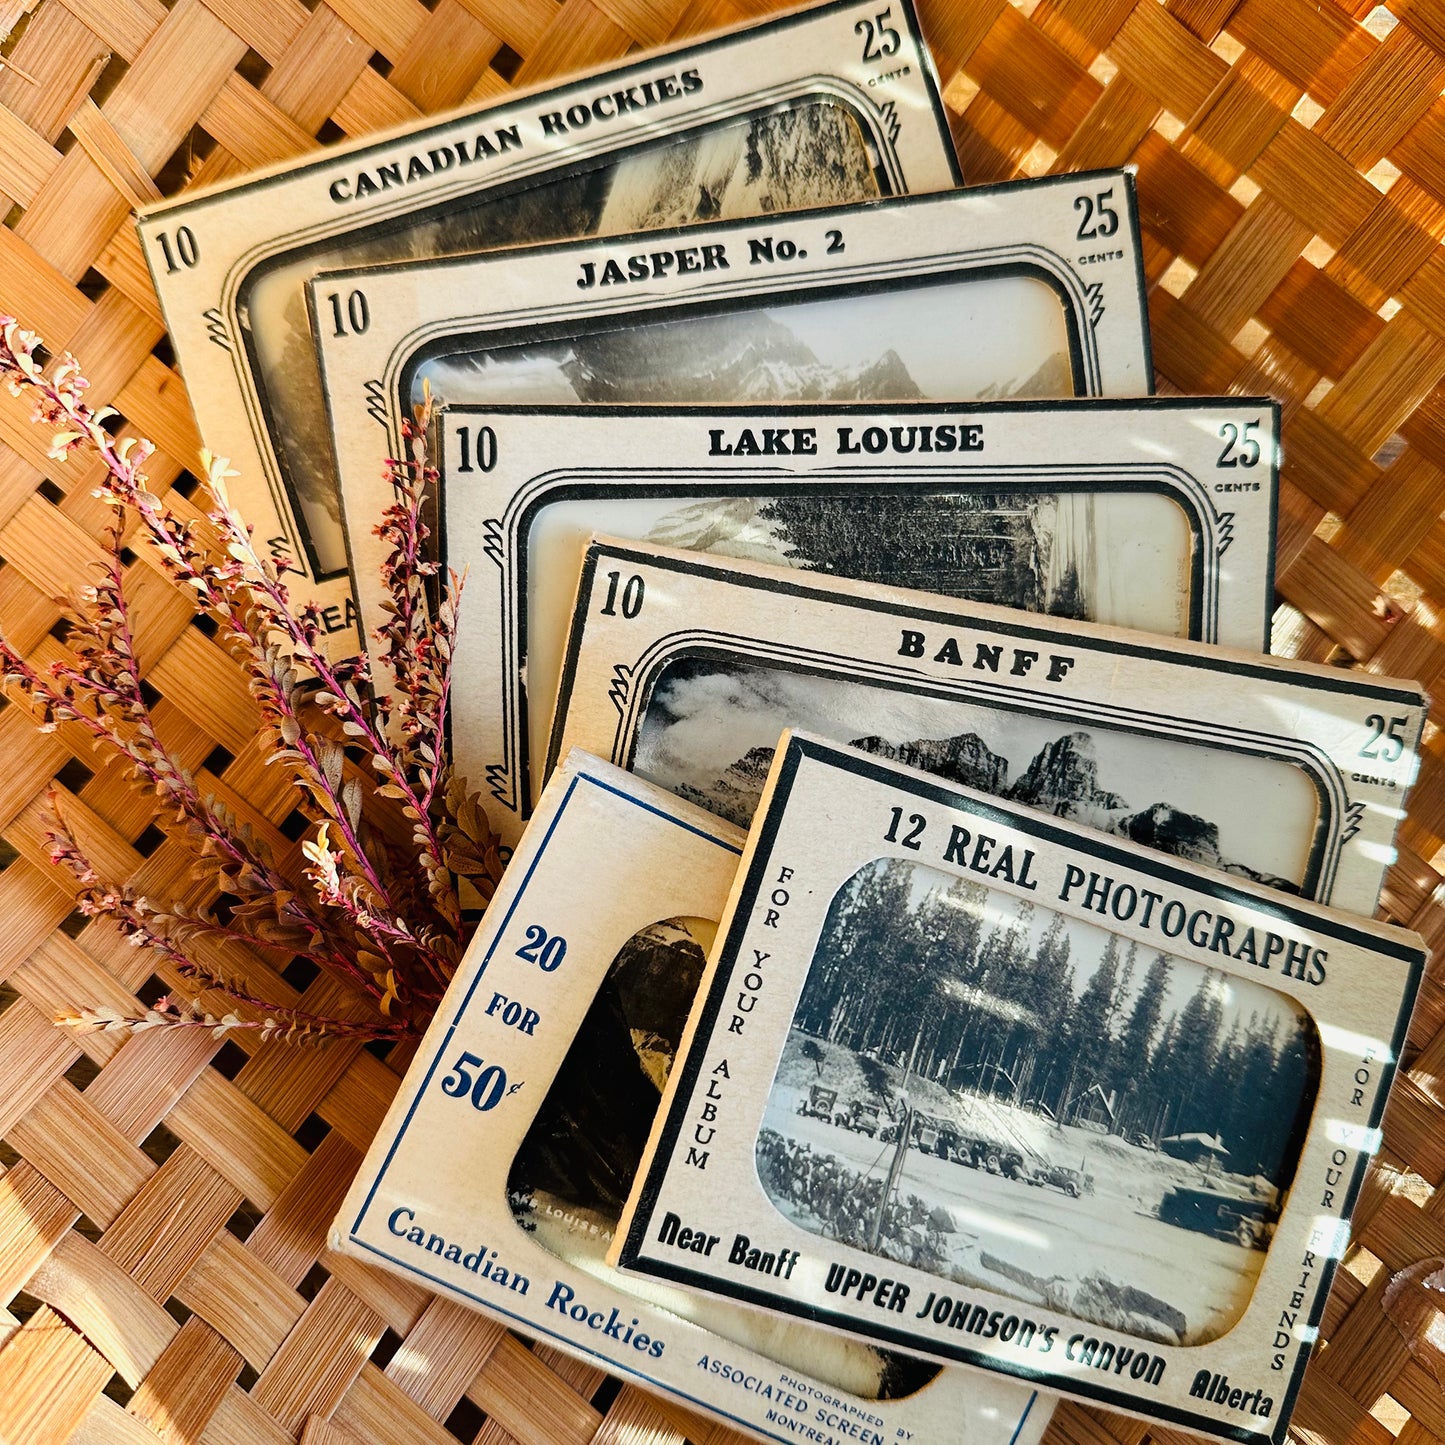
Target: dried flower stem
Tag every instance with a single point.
(354, 910)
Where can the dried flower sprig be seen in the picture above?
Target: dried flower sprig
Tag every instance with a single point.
(352, 905)
(169, 935)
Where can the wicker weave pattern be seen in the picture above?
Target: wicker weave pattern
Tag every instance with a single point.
(163, 1201)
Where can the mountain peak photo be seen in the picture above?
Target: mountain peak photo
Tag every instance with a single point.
(1061, 778)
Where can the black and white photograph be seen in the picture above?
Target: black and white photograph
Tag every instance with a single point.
(711, 725)
(1065, 554)
(1124, 555)
(786, 158)
(575, 1168)
(573, 1172)
(898, 343)
(1029, 1103)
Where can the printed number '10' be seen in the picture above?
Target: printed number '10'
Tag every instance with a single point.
(486, 449)
(1100, 219)
(633, 591)
(184, 253)
(547, 953)
(357, 312)
(486, 1089)
(1241, 448)
(880, 39)
(1386, 742)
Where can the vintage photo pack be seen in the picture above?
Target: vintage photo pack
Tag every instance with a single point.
(817, 107)
(960, 1155)
(975, 294)
(866, 679)
(508, 1152)
(1135, 527)
(685, 668)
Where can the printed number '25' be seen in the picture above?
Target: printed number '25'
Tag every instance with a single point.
(1100, 219)
(1386, 741)
(486, 1088)
(547, 953)
(880, 39)
(1241, 447)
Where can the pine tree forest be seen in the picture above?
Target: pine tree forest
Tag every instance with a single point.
(982, 546)
(970, 989)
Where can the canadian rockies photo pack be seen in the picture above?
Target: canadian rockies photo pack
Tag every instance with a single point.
(505, 1159)
(773, 118)
(1098, 1127)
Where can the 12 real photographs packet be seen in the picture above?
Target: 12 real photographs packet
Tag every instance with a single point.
(1099, 1127)
(989, 1082)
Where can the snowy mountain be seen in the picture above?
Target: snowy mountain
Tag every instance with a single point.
(735, 794)
(744, 357)
(964, 759)
(1062, 779)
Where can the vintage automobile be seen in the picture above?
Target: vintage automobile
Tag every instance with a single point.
(934, 1135)
(1058, 1176)
(1245, 1218)
(979, 1152)
(861, 1116)
(928, 1133)
(819, 1103)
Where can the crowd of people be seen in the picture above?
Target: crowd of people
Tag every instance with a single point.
(828, 1197)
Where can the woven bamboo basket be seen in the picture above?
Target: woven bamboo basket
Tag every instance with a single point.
(163, 1200)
